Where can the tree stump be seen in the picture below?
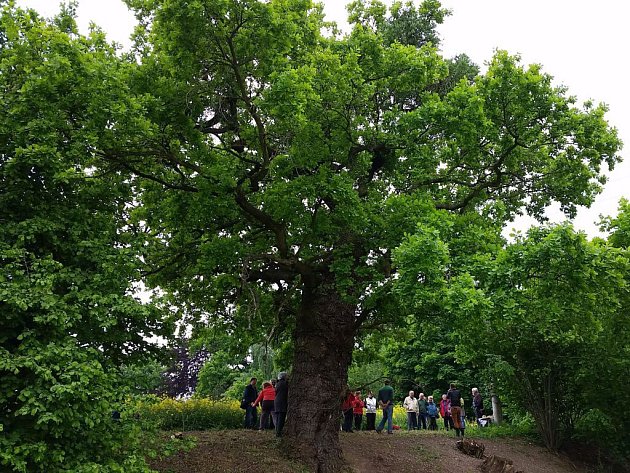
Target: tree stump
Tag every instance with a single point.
(496, 464)
(471, 447)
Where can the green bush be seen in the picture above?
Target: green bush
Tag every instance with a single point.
(601, 431)
(191, 414)
(520, 427)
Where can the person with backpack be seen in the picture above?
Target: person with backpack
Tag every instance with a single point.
(454, 398)
(433, 413)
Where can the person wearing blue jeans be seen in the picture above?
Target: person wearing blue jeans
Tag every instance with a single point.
(388, 412)
(385, 400)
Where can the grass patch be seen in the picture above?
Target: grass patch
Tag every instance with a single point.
(502, 431)
(425, 453)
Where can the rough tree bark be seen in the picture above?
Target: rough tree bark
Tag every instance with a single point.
(324, 339)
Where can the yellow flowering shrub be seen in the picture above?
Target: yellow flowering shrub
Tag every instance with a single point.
(192, 414)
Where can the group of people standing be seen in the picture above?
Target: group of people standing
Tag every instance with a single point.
(273, 399)
(422, 412)
(352, 410)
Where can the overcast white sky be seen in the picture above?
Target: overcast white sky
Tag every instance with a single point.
(580, 42)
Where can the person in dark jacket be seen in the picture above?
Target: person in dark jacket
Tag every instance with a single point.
(455, 400)
(249, 397)
(477, 404)
(422, 411)
(281, 402)
(272, 423)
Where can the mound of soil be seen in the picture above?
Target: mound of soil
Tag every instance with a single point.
(244, 451)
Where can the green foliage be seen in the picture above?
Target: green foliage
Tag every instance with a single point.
(598, 429)
(406, 24)
(225, 375)
(216, 376)
(145, 378)
(619, 226)
(240, 161)
(364, 167)
(191, 414)
(596, 424)
(283, 154)
(552, 299)
(367, 376)
(67, 319)
(235, 391)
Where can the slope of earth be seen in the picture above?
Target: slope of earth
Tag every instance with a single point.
(419, 452)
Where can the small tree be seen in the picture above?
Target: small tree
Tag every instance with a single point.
(550, 297)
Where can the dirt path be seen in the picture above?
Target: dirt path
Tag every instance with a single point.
(418, 452)
(437, 453)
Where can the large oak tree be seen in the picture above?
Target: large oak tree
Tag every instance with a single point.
(275, 168)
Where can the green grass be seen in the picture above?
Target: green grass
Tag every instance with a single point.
(425, 453)
(501, 431)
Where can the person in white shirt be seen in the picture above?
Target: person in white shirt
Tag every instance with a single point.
(370, 415)
(411, 406)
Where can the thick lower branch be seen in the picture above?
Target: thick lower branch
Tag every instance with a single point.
(278, 229)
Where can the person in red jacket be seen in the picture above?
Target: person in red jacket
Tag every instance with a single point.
(347, 407)
(445, 412)
(358, 410)
(267, 396)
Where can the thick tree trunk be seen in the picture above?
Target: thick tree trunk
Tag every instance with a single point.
(324, 339)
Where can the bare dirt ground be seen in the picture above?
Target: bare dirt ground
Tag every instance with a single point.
(418, 452)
